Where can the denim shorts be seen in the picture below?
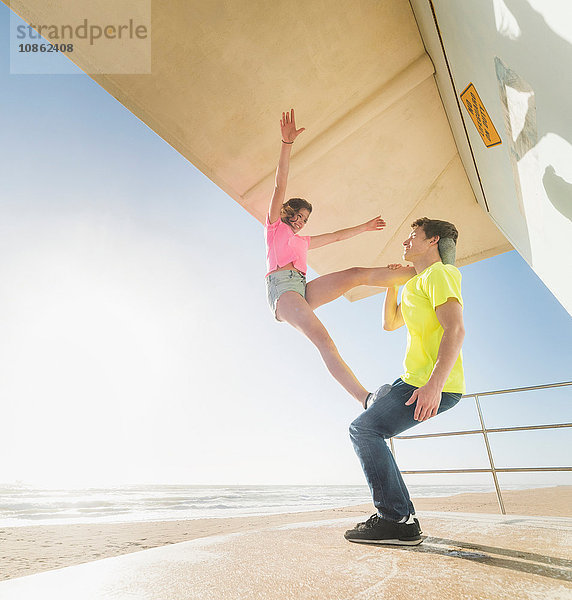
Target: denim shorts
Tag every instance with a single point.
(279, 282)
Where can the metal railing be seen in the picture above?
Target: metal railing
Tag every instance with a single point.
(484, 431)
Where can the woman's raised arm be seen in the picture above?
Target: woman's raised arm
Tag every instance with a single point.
(289, 134)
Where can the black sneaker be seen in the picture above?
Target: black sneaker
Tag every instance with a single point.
(379, 531)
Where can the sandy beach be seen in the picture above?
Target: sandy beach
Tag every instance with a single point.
(28, 550)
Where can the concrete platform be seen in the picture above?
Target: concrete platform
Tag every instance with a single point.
(469, 556)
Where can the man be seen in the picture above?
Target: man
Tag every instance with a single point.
(432, 310)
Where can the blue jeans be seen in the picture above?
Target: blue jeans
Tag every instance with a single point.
(386, 417)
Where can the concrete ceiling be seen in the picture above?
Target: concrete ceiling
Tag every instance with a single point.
(377, 139)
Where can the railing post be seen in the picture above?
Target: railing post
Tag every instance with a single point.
(490, 453)
(392, 447)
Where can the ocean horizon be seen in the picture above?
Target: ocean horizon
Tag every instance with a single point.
(22, 505)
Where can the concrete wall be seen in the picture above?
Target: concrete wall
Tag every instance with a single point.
(518, 55)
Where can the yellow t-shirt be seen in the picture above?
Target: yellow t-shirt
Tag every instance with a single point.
(421, 295)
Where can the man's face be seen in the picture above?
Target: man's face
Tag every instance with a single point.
(417, 244)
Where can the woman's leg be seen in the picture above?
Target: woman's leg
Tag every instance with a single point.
(293, 309)
(326, 288)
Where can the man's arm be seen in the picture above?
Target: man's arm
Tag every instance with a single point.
(392, 317)
(428, 397)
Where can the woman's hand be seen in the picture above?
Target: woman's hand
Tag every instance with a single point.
(288, 127)
(376, 224)
(394, 266)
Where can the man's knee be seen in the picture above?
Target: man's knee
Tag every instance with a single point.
(353, 431)
(371, 425)
(359, 428)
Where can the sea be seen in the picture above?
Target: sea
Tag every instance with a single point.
(22, 505)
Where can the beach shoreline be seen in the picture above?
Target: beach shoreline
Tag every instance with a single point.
(32, 549)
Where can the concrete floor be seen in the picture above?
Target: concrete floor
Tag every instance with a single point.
(468, 556)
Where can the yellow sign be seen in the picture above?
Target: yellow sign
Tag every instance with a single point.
(480, 116)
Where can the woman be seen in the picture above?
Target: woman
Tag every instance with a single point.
(290, 298)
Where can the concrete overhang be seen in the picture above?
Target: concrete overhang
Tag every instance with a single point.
(377, 137)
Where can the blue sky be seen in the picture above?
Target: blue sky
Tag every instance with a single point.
(136, 340)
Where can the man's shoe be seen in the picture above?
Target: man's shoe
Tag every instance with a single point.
(379, 531)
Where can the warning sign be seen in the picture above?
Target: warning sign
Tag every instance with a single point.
(480, 116)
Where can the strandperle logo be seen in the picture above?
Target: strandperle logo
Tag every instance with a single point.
(83, 31)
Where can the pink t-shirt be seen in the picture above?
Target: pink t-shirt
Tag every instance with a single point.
(284, 246)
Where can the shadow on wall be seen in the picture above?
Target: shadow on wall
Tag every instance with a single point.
(553, 83)
(559, 192)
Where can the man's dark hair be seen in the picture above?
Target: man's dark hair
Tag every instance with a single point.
(433, 227)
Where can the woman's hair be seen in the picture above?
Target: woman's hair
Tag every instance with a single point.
(291, 207)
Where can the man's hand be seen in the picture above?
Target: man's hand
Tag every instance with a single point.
(428, 399)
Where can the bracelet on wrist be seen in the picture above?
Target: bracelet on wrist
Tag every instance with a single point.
(287, 142)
